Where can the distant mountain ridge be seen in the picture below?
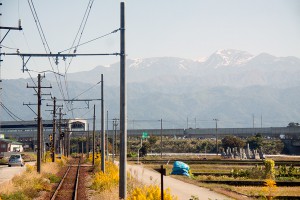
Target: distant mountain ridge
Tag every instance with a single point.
(224, 67)
(230, 84)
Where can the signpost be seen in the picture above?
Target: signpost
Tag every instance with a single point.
(145, 135)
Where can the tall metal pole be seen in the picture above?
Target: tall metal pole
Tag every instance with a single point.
(123, 109)
(102, 129)
(88, 142)
(53, 130)
(113, 142)
(217, 150)
(39, 131)
(94, 118)
(161, 143)
(107, 153)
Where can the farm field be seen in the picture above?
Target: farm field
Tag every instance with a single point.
(213, 172)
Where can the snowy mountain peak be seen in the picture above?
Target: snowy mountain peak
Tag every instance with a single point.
(228, 57)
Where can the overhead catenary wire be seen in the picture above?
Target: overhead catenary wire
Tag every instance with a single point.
(45, 44)
(81, 27)
(10, 113)
(77, 43)
(92, 40)
(13, 48)
(87, 90)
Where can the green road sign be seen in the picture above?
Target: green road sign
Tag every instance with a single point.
(145, 135)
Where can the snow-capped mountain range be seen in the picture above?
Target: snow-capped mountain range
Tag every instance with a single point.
(232, 68)
(230, 85)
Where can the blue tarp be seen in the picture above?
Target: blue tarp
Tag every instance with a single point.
(180, 168)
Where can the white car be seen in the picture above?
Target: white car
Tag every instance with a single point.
(16, 160)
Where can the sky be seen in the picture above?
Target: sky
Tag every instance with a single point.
(190, 29)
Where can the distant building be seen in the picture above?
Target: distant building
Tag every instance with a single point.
(7, 145)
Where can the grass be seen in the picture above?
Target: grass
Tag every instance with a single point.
(233, 191)
(29, 184)
(259, 191)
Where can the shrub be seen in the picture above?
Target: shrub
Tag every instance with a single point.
(14, 196)
(151, 192)
(31, 183)
(256, 172)
(269, 169)
(270, 188)
(53, 178)
(108, 180)
(62, 161)
(30, 168)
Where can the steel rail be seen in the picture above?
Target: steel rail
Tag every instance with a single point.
(74, 195)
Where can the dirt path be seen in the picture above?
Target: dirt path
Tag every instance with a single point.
(184, 191)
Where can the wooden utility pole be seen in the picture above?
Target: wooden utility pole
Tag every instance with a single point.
(53, 131)
(40, 138)
(61, 135)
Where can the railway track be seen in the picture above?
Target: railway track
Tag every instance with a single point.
(68, 186)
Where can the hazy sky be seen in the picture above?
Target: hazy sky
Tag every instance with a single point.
(154, 28)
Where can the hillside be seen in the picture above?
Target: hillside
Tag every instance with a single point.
(230, 85)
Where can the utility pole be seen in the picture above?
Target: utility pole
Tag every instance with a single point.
(53, 138)
(161, 143)
(61, 135)
(53, 130)
(107, 153)
(217, 148)
(187, 122)
(67, 132)
(123, 110)
(40, 138)
(114, 138)
(94, 118)
(113, 142)
(102, 129)
(88, 142)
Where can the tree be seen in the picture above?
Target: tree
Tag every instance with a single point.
(255, 142)
(152, 140)
(232, 141)
(293, 124)
(144, 150)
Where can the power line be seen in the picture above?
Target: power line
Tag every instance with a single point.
(87, 90)
(102, 36)
(45, 43)
(11, 114)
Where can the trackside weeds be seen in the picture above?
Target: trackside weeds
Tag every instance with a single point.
(110, 179)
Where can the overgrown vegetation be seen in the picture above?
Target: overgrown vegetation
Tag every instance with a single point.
(105, 181)
(108, 182)
(195, 145)
(29, 184)
(151, 192)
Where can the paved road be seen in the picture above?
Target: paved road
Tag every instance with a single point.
(182, 190)
(7, 173)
